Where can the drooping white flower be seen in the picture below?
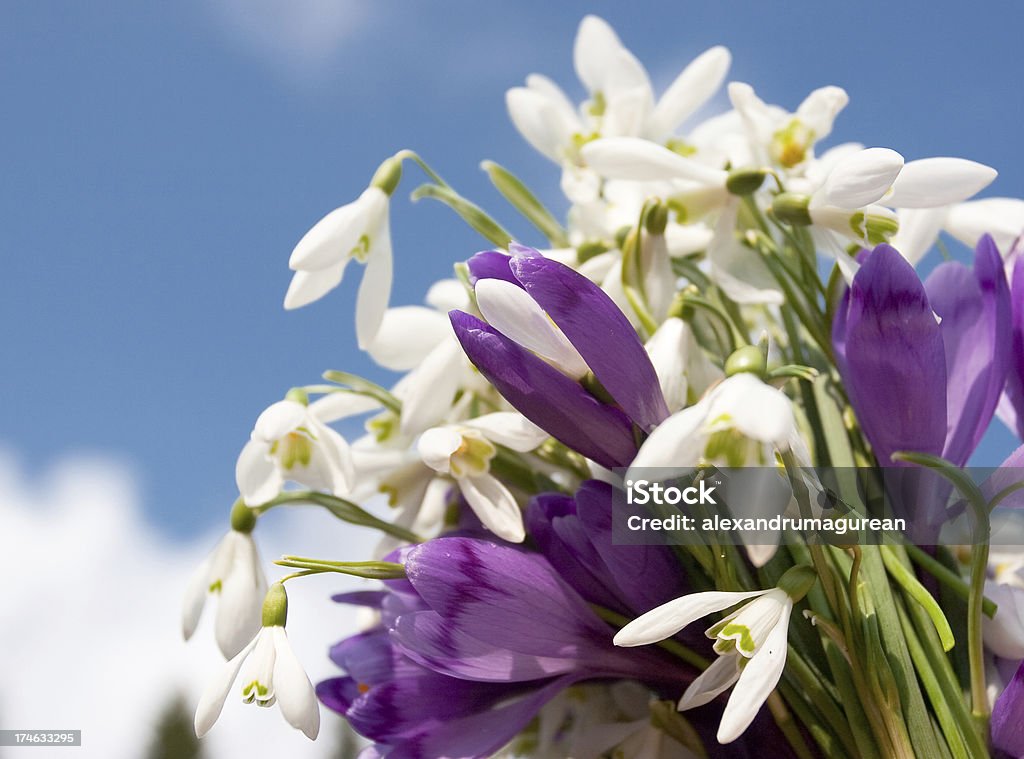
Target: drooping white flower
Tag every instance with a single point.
(684, 372)
(1003, 218)
(621, 102)
(271, 674)
(741, 422)
(290, 442)
(233, 572)
(359, 230)
(465, 450)
(751, 644)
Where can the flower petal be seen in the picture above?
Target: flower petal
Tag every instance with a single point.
(278, 419)
(717, 678)
(510, 310)
(510, 429)
(932, 182)
(641, 160)
(309, 286)
(1003, 218)
(375, 288)
(919, 229)
(406, 336)
(668, 619)
(436, 446)
(694, 86)
(495, 506)
(211, 703)
(241, 597)
(196, 589)
(596, 43)
(294, 691)
(600, 332)
(257, 477)
(756, 682)
(862, 178)
(429, 389)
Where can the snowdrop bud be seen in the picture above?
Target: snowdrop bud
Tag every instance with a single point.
(243, 519)
(745, 181)
(275, 606)
(749, 359)
(388, 175)
(792, 208)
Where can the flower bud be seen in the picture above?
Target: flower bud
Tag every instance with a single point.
(792, 208)
(745, 181)
(275, 606)
(749, 358)
(388, 175)
(243, 519)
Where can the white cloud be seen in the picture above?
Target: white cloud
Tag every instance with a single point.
(90, 615)
(302, 36)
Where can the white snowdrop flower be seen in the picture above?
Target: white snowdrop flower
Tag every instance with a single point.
(751, 644)
(684, 372)
(465, 450)
(290, 442)
(1003, 218)
(234, 572)
(358, 231)
(271, 673)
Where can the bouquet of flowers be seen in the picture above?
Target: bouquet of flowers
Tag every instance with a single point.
(688, 482)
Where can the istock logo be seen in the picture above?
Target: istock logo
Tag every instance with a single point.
(642, 492)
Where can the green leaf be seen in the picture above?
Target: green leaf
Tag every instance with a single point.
(524, 201)
(470, 213)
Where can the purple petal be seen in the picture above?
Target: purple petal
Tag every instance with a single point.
(1012, 409)
(974, 307)
(545, 396)
(338, 693)
(432, 642)
(490, 264)
(371, 598)
(600, 332)
(646, 575)
(1008, 717)
(891, 358)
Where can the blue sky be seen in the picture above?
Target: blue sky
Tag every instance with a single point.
(160, 160)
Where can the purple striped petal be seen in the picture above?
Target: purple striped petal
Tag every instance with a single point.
(891, 357)
(600, 332)
(1008, 717)
(545, 396)
(974, 308)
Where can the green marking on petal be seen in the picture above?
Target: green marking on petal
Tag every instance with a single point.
(215, 586)
(789, 145)
(740, 634)
(361, 251)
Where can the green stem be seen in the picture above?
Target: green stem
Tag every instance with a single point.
(342, 509)
(947, 577)
(916, 591)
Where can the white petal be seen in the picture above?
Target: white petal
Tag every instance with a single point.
(278, 419)
(211, 703)
(436, 446)
(256, 475)
(406, 335)
(195, 597)
(557, 99)
(309, 286)
(758, 118)
(643, 161)
(759, 411)
(430, 387)
(919, 229)
(691, 89)
(334, 237)
(717, 678)
(447, 294)
(1004, 634)
(511, 311)
(756, 683)
(675, 446)
(596, 43)
(337, 455)
(241, 599)
(934, 182)
(1003, 218)
(494, 505)
(294, 691)
(340, 405)
(820, 108)
(538, 121)
(666, 620)
(510, 429)
(580, 184)
(375, 289)
(862, 178)
(259, 668)
(667, 349)
(629, 97)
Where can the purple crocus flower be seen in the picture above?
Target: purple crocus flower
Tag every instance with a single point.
(549, 329)
(1006, 725)
(924, 364)
(471, 646)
